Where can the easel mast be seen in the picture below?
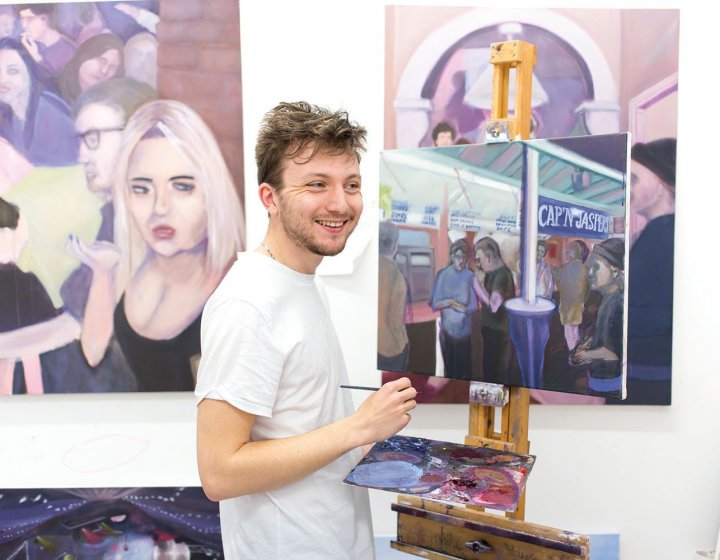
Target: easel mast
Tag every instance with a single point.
(513, 435)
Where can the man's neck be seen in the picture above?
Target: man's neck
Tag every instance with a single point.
(49, 37)
(278, 246)
(665, 207)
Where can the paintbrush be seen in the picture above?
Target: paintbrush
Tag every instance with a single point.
(359, 387)
(363, 388)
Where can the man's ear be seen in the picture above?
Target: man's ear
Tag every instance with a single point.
(268, 197)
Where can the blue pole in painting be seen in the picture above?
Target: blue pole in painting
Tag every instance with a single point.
(529, 315)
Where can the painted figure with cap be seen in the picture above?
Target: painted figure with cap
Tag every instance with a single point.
(452, 295)
(603, 351)
(650, 292)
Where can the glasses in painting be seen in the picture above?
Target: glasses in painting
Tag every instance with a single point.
(91, 138)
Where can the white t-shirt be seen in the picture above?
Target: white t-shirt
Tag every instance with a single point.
(269, 348)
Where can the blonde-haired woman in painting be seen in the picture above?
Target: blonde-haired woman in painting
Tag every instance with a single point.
(178, 226)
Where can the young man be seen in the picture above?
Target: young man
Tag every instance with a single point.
(276, 435)
(48, 47)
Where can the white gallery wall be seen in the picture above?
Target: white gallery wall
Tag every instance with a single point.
(651, 474)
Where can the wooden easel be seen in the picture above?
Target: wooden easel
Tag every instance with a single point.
(513, 435)
(445, 532)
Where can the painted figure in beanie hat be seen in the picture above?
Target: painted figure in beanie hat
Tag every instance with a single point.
(652, 184)
(603, 352)
(650, 275)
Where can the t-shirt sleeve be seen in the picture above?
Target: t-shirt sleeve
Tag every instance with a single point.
(240, 362)
(500, 283)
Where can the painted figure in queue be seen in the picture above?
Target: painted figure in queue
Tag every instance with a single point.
(493, 284)
(393, 343)
(453, 296)
(650, 297)
(573, 289)
(178, 226)
(48, 47)
(603, 350)
(32, 118)
(96, 60)
(275, 435)
(545, 282)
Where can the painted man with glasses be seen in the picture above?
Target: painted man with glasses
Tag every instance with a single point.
(100, 116)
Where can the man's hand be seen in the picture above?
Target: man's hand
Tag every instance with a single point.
(31, 46)
(386, 412)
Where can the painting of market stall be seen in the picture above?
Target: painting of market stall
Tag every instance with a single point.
(505, 263)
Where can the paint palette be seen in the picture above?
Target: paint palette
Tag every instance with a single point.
(444, 471)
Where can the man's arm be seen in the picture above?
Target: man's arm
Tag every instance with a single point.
(231, 465)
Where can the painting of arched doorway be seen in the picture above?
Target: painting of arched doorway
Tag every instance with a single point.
(448, 78)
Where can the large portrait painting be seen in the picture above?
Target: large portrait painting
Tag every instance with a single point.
(598, 72)
(120, 189)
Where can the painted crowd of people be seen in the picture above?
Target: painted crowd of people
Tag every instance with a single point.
(142, 230)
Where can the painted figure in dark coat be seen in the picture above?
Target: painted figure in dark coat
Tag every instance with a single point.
(493, 285)
(23, 302)
(650, 297)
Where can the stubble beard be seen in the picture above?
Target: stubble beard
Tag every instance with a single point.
(303, 238)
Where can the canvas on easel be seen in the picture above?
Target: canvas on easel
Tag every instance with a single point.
(452, 232)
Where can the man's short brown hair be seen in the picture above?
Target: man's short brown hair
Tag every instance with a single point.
(289, 129)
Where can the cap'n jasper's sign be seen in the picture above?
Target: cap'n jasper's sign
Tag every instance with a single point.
(567, 220)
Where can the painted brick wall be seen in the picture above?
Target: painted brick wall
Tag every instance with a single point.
(199, 64)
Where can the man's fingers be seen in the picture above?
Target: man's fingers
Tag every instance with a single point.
(409, 405)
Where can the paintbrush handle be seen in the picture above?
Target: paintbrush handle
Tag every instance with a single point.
(362, 388)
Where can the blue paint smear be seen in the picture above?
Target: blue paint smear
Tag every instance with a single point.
(386, 474)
